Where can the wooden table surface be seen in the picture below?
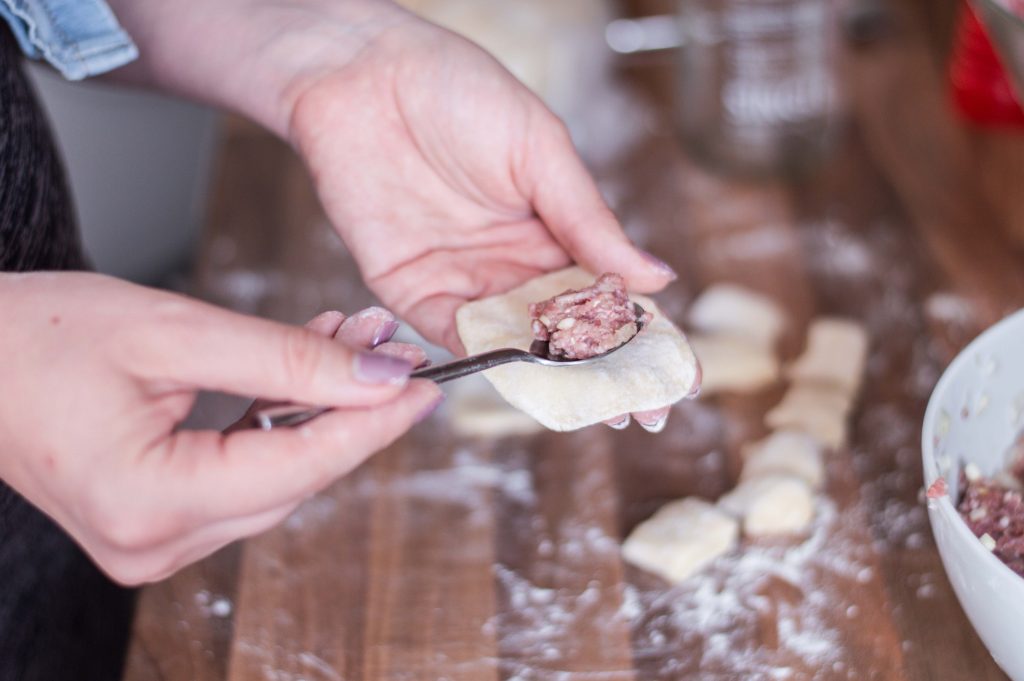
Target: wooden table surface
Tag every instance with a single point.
(452, 558)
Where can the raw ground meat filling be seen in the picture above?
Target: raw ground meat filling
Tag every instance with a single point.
(583, 323)
(996, 510)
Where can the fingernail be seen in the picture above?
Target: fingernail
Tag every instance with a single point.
(375, 367)
(655, 427)
(621, 424)
(430, 408)
(385, 333)
(659, 265)
(698, 379)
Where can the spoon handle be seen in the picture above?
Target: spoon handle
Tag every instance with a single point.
(470, 365)
(295, 415)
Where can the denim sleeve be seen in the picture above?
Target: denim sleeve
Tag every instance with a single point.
(80, 38)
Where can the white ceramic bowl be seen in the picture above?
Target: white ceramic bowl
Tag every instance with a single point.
(974, 415)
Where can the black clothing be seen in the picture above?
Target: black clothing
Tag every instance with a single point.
(60, 617)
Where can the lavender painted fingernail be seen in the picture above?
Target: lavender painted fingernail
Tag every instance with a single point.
(655, 427)
(385, 332)
(378, 368)
(698, 379)
(659, 265)
(621, 424)
(430, 408)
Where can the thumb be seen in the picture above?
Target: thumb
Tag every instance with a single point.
(218, 476)
(206, 347)
(566, 198)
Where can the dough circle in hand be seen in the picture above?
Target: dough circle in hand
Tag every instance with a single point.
(681, 538)
(656, 369)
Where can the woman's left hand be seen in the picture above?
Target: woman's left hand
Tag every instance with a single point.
(449, 180)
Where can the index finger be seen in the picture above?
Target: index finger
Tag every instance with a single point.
(199, 345)
(565, 196)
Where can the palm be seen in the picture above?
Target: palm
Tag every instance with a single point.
(430, 173)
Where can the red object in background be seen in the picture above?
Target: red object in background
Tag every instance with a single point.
(981, 90)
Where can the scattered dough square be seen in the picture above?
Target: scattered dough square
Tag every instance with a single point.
(772, 505)
(681, 538)
(656, 369)
(733, 364)
(824, 419)
(835, 354)
(785, 452)
(737, 311)
(475, 409)
(816, 395)
(818, 409)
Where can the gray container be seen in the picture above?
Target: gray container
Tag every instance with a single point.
(139, 165)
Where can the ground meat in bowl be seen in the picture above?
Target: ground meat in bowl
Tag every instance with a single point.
(588, 322)
(994, 510)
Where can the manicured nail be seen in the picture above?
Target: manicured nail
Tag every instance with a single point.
(430, 408)
(375, 367)
(659, 265)
(655, 427)
(698, 379)
(385, 333)
(621, 424)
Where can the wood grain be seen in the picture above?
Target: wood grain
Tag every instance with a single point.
(455, 558)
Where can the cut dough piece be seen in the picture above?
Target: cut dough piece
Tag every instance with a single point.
(733, 364)
(681, 538)
(785, 452)
(474, 409)
(836, 352)
(737, 311)
(656, 369)
(772, 505)
(820, 395)
(817, 410)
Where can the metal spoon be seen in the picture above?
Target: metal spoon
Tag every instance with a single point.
(539, 353)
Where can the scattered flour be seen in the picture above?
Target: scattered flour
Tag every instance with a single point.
(949, 308)
(781, 595)
(212, 606)
(838, 252)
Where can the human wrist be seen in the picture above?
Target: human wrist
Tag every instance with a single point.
(324, 36)
(253, 58)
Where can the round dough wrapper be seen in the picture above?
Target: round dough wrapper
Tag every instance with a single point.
(681, 538)
(773, 505)
(656, 369)
(785, 452)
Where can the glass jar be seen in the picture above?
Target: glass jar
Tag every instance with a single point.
(758, 88)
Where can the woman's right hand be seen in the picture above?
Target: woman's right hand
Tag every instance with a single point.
(97, 376)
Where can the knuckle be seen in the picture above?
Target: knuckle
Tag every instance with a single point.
(303, 356)
(130, 571)
(146, 346)
(124, 533)
(120, 525)
(126, 573)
